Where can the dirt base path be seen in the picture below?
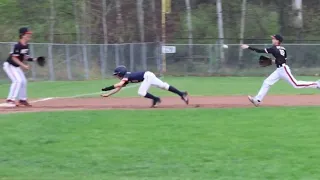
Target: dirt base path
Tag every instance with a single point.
(167, 103)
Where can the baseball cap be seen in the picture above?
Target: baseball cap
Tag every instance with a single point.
(24, 30)
(277, 37)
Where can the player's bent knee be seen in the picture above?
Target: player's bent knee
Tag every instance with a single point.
(266, 83)
(142, 93)
(165, 86)
(24, 82)
(19, 82)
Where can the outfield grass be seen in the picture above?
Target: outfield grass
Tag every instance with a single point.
(195, 85)
(236, 144)
(206, 144)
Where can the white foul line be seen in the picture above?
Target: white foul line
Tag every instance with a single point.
(89, 94)
(75, 96)
(68, 97)
(44, 99)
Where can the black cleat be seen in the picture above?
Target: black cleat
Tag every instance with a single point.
(24, 103)
(185, 97)
(156, 102)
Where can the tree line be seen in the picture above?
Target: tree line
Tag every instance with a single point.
(123, 21)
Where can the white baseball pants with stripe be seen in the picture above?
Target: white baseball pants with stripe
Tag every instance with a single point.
(150, 79)
(284, 73)
(18, 88)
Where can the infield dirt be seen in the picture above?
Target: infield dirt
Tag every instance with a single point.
(63, 104)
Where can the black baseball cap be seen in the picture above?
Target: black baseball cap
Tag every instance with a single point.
(277, 37)
(24, 30)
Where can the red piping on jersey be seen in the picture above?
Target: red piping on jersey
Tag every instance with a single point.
(294, 82)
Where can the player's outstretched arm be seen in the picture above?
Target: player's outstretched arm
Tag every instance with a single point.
(114, 91)
(115, 88)
(244, 46)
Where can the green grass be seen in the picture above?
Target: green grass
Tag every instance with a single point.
(195, 85)
(206, 144)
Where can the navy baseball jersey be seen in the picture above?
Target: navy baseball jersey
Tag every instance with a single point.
(133, 77)
(20, 51)
(279, 53)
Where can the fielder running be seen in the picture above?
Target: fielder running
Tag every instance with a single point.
(147, 79)
(282, 72)
(14, 66)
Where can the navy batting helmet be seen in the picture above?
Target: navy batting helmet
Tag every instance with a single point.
(277, 37)
(120, 71)
(24, 30)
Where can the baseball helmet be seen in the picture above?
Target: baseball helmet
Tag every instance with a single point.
(277, 37)
(120, 71)
(24, 30)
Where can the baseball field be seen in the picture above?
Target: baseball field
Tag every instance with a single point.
(72, 133)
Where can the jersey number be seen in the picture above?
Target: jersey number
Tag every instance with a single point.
(282, 52)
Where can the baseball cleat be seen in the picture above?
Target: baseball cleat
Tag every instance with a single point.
(9, 101)
(254, 101)
(24, 103)
(185, 97)
(12, 103)
(156, 102)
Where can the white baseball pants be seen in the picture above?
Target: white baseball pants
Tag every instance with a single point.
(150, 79)
(18, 88)
(284, 73)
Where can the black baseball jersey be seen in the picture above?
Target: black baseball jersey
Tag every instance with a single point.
(279, 53)
(133, 77)
(20, 51)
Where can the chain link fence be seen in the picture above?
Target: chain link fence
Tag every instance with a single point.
(86, 62)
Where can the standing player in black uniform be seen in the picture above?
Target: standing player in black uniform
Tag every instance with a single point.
(282, 72)
(147, 79)
(14, 67)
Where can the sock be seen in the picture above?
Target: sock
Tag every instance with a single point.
(150, 96)
(174, 90)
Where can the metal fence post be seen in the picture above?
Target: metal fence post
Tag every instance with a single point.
(131, 57)
(117, 55)
(102, 61)
(33, 71)
(121, 54)
(144, 56)
(85, 61)
(158, 56)
(51, 65)
(68, 62)
(218, 55)
(210, 47)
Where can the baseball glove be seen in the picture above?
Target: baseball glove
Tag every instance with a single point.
(41, 61)
(265, 61)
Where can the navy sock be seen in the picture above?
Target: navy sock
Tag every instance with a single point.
(150, 96)
(174, 90)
